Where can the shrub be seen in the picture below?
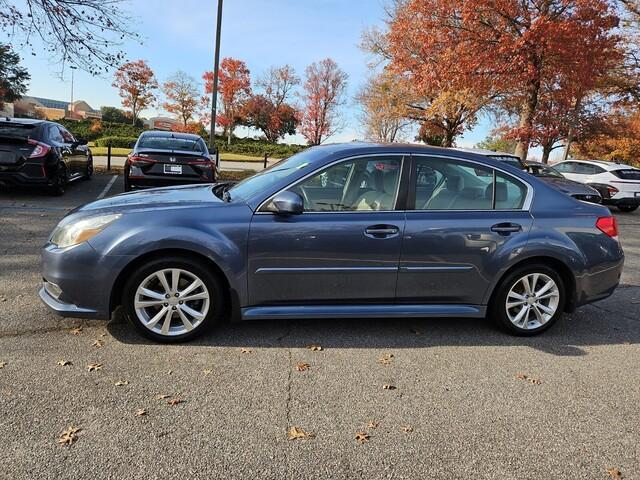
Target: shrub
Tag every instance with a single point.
(85, 129)
(116, 142)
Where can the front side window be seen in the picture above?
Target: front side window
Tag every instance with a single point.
(449, 184)
(363, 184)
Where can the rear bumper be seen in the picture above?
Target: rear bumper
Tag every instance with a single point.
(152, 182)
(625, 201)
(25, 175)
(600, 283)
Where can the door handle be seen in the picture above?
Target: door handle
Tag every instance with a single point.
(506, 228)
(381, 231)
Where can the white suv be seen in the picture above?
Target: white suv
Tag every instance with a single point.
(618, 184)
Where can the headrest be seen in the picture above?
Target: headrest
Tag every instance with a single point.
(455, 183)
(390, 179)
(502, 195)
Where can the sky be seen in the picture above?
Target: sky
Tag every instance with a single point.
(179, 35)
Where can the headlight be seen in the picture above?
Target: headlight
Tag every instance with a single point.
(73, 233)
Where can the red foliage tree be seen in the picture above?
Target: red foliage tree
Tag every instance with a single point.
(509, 49)
(324, 89)
(182, 97)
(234, 88)
(274, 121)
(136, 83)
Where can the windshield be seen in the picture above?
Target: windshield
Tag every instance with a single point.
(272, 175)
(171, 143)
(16, 130)
(514, 161)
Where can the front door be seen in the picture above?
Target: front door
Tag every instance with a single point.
(464, 225)
(343, 249)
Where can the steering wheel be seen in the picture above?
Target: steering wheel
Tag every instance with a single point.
(308, 203)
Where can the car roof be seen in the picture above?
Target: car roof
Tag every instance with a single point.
(601, 163)
(165, 134)
(486, 153)
(23, 121)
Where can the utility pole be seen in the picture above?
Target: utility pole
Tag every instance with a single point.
(214, 93)
(73, 68)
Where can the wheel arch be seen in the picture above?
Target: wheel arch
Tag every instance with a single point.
(565, 272)
(231, 300)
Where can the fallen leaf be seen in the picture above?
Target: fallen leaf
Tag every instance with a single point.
(531, 380)
(415, 331)
(76, 331)
(407, 428)
(120, 383)
(245, 350)
(64, 363)
(161, 396)
(140, 412)
(372, 424)
(97, 343)
(386, 359)
(68, 436)
(386, 386)
(302, 367)
(103, 334)
(296, 433)
(94, 367)
(3, 364)
(314, 348)
(175, 401)
(170, 372)
(615, 474)
(207, 371)
(362, 437)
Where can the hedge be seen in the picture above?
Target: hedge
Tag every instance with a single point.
(257, 148)
(92, 130)
(116, 142)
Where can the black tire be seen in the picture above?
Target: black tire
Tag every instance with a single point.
(213, 287)
(127, 185)
(59, 181)
(498, 309)
(89, 172)
(627, 208)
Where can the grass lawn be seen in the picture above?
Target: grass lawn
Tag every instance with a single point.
(123, 152)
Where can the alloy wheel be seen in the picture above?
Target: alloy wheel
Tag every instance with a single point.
(532, 301)
(172, 302)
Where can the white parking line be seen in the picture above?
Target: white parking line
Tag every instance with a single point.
(106, 189)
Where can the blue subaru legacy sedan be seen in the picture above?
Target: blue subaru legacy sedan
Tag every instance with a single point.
(337, 231)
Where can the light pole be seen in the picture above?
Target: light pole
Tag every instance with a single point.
(214, 93)
(73, 68)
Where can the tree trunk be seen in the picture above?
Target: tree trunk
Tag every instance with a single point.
(447, 139)
(546, 152)
(229, 136)
(526, 120)
(571, 132)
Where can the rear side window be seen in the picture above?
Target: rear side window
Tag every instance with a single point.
(567, 167)
(587, 169)
(55, 135)
(449, 184)
(170, 143)
(629, 174)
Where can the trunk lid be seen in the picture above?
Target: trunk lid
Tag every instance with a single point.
(171, 162)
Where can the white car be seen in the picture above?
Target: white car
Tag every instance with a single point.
(618, 184)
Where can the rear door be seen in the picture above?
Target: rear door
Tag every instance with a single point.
(463, 222)
(75, 156)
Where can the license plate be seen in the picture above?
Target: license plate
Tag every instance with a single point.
(173, 169)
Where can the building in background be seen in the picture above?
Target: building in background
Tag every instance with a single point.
(46, 108)
(161, 123)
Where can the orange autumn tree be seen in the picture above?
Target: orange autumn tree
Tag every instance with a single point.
(234, 89)
(182, 97)
(324, 90)
(136, 83)
(504, 49)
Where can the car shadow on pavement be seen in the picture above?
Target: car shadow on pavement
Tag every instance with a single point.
(590, 326)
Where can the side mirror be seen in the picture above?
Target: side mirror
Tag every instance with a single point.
(286, 203)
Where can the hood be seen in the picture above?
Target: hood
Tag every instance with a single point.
(164, 197)
(569, 186)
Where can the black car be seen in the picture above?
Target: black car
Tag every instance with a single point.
(41, 153)
(161, 159)
(550, 175)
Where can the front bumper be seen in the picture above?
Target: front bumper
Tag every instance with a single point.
(85, 279)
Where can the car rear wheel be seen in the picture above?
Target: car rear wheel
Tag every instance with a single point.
(59, 180)
(627, 208)
(529, 300)
(172, 300)
(89, 172)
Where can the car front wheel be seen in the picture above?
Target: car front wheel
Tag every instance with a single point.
(529, 300)
(627, 208)
(172, 300)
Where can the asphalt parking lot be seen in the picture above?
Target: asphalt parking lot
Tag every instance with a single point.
(469, 401)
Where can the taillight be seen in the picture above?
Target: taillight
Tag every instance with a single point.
(612, 190)
(201, 161)
(139, 161)
(608, 226)
(40, 150)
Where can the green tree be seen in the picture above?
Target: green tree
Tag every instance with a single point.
(13, 77)
(497, 144)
